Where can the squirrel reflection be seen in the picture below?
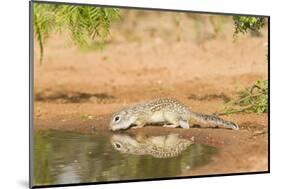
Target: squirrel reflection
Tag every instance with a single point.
(167, 146)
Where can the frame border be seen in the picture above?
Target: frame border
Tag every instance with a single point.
(31, 94)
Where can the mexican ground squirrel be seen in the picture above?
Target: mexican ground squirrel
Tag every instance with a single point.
(168, 112)
(157, 146)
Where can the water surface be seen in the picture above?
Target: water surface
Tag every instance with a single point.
(67, 157)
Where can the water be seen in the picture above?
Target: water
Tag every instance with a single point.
(67, 157)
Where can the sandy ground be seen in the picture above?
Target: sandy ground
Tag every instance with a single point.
(151, 58)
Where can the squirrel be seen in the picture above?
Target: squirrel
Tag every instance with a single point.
(167, 112)
(168, 146)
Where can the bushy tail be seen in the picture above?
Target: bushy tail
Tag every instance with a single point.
(215, 120)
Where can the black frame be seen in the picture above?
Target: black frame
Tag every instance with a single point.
(31, 94)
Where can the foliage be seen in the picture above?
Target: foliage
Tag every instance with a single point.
(253, 99)
(84, 23)
(243, 24)
(44, 23)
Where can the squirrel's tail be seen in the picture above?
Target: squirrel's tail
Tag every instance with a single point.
(214, 119)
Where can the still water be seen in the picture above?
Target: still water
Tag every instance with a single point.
(67, 157)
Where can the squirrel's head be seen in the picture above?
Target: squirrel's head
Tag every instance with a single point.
(122, 119)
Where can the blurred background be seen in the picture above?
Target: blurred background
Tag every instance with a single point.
(92, 60)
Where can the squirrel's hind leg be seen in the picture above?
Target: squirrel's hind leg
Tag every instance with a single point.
(184, 124)
(172, 118)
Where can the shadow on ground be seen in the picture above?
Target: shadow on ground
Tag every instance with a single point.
(71, 97)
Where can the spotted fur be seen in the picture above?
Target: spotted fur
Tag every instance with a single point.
(168, 112)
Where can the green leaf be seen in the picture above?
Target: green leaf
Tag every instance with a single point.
(85, 24)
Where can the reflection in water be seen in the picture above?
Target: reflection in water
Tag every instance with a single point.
(68, 175)
(66, 157)
(158, 146)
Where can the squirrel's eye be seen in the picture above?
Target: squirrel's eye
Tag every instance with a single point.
(118, 145)
(116, 118)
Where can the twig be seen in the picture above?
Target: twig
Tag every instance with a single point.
(234, 111)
